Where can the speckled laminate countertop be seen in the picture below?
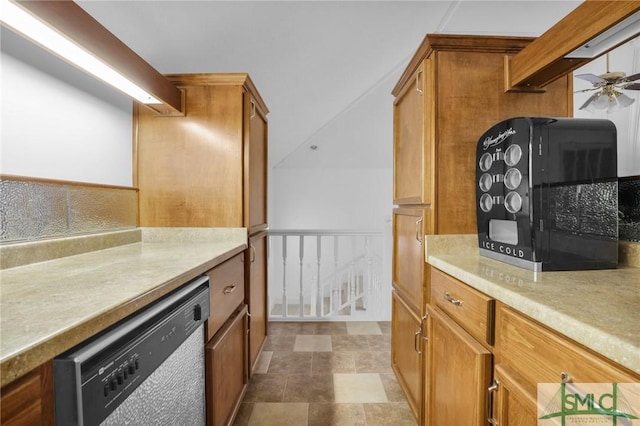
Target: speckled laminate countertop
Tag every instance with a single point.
(50, 306)
(599, 309)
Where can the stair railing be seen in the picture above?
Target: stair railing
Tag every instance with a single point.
(324, 274)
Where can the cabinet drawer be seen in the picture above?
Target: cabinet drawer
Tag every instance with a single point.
(473, 310)
(540, 355)
(226, 288)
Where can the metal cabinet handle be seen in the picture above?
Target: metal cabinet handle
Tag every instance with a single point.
(489, 399)
(418, 88)
(418, 230)
(422, 320)
(416, 341)
(253, 254)
(565, 377)
(229, 289)
(253, 109)
(450, 299)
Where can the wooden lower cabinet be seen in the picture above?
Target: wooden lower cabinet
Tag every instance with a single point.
(528, 354)
(256, 296)
(460, 370)
(514, 400)
(406, 352)
(29, 400)
(226, 368)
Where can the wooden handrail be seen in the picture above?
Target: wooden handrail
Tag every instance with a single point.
(544, 60)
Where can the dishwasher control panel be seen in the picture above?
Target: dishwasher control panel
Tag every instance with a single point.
(94, 378)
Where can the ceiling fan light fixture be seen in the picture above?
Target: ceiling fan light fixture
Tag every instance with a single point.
(624, 100)
(602, 101)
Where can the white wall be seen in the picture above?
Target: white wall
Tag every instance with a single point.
(331, 198)
(53, 129)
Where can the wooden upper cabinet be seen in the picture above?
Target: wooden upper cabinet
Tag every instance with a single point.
(208, 167)
(256, 158)
(411, 151)
(452, 91)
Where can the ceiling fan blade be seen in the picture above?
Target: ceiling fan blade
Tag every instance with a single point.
(591, 78)
(591, 99)
(633, 77)
(586, 90)
(634, 86)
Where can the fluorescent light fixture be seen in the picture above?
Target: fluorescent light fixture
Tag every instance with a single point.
(613, 37)
(26, 24)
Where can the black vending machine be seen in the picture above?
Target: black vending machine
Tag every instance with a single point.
(547, 193)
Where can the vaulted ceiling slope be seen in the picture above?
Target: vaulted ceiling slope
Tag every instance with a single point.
(314, 62)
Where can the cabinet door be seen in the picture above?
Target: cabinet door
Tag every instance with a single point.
(409, 267)
(460, 373)
(406, 352)
(412, 135)
(29, 400)
(226, 370)
(256, 166)
(256, 293)
(189, 169)
(514, 400)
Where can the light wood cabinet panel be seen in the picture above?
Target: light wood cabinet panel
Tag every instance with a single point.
(412, 181)
(208, 167)
(226, 370)
(459, 373)
(257, 296)
(542, 355)
(406, 352)
(409, 268)
(256, 156)
(528, 353)
(29, 400)
(514, 400)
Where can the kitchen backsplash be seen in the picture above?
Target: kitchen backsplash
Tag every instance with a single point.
(32, 209)
(629, 209)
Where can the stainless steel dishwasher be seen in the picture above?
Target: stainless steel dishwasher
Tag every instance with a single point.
(146, 370)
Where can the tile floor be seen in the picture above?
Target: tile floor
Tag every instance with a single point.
(325, 374)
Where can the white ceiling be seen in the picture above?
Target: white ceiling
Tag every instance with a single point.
(312, 61)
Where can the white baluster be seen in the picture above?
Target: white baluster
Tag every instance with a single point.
(319, 301)
(335, 286)
(285, 303)
(301, 253)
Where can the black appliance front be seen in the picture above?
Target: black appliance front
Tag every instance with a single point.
(95, 378)
(547, 193)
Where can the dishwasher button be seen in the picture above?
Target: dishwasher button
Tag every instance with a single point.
(120, 379)
(106, 389)
(132, 369)
(197, 313)
(112, 385)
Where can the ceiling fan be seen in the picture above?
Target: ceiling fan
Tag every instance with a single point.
(609, 87)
